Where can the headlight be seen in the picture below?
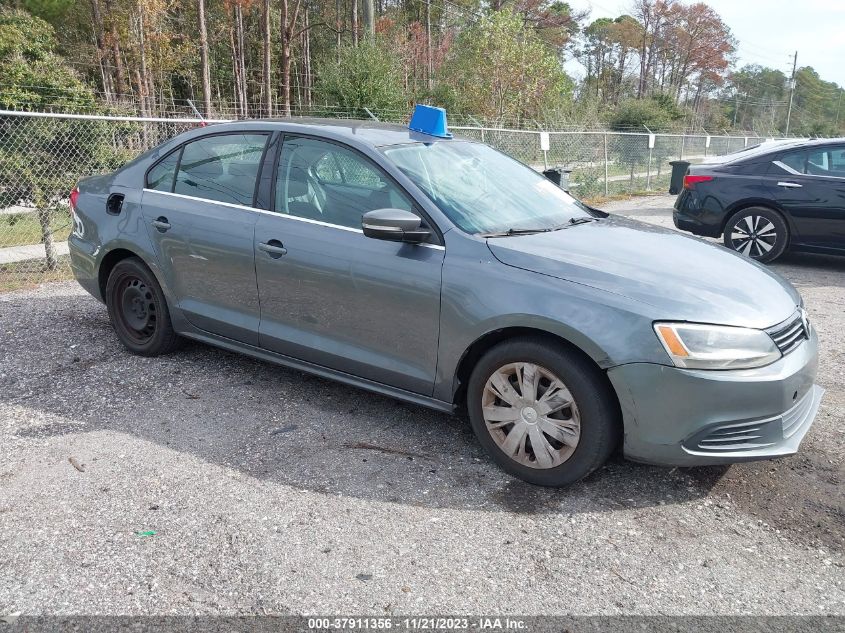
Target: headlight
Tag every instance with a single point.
(699, 346)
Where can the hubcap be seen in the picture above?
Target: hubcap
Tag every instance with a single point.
(531, 415)
(137, 311)
(753, 236)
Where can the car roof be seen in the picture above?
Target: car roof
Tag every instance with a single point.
(372, 133)
(766, 148)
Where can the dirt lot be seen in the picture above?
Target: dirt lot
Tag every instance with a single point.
(270, 491)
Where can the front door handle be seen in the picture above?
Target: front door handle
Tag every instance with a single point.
(161, 224)
(790, 185)
(274, 248)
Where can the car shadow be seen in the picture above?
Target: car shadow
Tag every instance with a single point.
(802, 268)
(284, 426)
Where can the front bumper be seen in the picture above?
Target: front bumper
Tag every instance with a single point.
(684, 417)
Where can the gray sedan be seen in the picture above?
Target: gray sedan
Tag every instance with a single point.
(444, 273)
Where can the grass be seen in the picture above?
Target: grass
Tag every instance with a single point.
(23, 275)
(21, 229)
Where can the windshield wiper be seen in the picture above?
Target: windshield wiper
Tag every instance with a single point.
(510, 232)
(573, 222)
(583, 220)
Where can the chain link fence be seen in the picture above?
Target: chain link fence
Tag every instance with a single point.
(43, 155)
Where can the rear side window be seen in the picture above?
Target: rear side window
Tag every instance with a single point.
(824, 161)
(795, 160)
(160, 177)
(223, 167)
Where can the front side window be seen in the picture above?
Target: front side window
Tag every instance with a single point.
(323, 181)
(484, 191)
(160, 177)
(223, 167)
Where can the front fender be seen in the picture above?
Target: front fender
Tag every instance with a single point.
(481, 297)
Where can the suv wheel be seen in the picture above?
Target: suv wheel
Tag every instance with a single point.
(758, 233)
(545, 414)
(138, 310)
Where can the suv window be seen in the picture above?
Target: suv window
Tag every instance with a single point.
(323, 181)
(223, 167)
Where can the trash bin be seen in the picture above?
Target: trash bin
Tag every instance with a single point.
(679, 170)
(559, 176)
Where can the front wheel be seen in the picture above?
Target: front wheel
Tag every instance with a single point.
(544, 413)
(758, 233)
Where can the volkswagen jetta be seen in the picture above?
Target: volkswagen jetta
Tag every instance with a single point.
(444, 273)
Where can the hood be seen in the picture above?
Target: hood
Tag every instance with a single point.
(684, 278)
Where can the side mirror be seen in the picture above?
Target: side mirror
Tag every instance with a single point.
(395, 225)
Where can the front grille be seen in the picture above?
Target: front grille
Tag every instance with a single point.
(788, 337)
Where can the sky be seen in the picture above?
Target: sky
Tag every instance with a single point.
(769, 31)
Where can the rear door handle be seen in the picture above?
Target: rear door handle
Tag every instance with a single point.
(274, 248)
(789, 185)
(161, 223)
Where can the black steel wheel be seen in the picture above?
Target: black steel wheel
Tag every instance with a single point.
(138, 309)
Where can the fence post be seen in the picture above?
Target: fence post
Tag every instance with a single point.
(683, 138)
(605, 165)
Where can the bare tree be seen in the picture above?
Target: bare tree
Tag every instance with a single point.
(117, 56)
(206, 72)
(265, 77)
(97, 18)
(355, 22)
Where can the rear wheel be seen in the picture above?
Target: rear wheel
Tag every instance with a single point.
(544, 413)
(138, 310)
(758, 233)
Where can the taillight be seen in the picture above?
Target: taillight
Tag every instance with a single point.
(74, 196)
(690, 181)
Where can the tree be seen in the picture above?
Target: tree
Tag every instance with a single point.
(267, 94)
(499, 68)
(363, 76)
(33, 162)
(206, 72)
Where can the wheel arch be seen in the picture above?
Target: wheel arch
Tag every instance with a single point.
(111, 259)
(742, 205)
(490, 339)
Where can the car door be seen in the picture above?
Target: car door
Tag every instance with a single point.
(330, 295)
(811, 188)
(197, 205)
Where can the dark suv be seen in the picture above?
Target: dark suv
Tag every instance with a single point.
(767, 199)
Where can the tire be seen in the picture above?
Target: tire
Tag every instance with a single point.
(593, 411)
(757, 232)
(138, 310)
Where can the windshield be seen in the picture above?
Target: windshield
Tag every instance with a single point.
(484, 191)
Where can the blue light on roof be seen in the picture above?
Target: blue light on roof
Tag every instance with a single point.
(429, 120)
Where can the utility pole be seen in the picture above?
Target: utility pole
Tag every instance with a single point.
(736, 107)
(791, 91)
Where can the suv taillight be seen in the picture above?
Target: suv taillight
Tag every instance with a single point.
(690, 181)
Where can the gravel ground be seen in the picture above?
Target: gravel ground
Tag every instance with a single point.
(271, 491)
